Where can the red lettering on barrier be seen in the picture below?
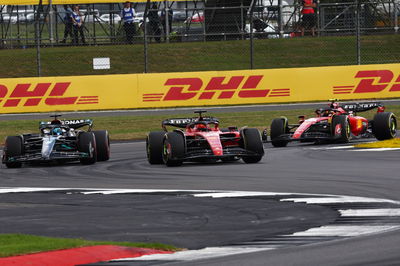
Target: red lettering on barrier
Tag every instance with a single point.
(252, 83)
(3, 91)
(59, 90)
(217, 88)
(216, 84)
(22, 91)
(61, 101)
(396, 87)
(176, 93)
(35, 96)
(368, 86)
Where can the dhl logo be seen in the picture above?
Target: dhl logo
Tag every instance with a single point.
(181, 89)
(42, 93)
(371, 81)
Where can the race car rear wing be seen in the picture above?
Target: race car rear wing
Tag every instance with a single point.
(74, 123)
(184, 122)
(361, 107)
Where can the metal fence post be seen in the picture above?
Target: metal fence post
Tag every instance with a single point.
(146, 10)
(358, 31)
(280, 18)
(166, 10)
(51, 21)
(37, 38)
(396, 18)
(253, 2)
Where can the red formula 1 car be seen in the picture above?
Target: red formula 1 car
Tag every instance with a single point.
(201, 139)
(337, 123)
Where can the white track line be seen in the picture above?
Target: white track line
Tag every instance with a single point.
(333, 148)
(332, 230)
(206, 253)
(370, 212)
(339, 199)
(346, 230)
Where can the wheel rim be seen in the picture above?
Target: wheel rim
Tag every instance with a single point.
(392, 126)
(166, 151)
(347, 129)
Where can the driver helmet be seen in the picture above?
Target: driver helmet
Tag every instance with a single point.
(201, 127)
(57, 131)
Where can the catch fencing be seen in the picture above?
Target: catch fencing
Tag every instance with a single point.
(196, 36)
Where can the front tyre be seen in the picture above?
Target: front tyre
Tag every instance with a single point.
(87, 144)
(173, 149)
(341, 128)
(154, 147)
(384, 126)
(252, 143)
(102, 145)
(13, 148)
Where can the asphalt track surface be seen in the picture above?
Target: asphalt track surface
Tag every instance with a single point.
(196, 223)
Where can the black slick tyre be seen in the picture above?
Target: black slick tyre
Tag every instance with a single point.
(252, 143)
(341, 128)
(87, 144)
(154, 147)
(279, 127)
(173, 149)
(102, 145)
(13, 148)
(384, 126)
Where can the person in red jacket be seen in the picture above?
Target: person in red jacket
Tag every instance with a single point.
(308, 19)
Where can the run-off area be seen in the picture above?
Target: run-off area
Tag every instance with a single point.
(177, 218)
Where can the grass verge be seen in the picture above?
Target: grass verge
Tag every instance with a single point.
(18, 244)
(136, 127)
(202, 56)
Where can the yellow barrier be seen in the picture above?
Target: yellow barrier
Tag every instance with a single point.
(199, 88)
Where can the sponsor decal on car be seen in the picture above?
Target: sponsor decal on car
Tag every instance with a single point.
(72, 122)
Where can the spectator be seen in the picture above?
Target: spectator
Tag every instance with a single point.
(68, 23)
(308, 19)
(154, 22)
(164, 21)
(128, 14)
(77, 25)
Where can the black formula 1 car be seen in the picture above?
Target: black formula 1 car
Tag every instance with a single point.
(59, 141)
(200, 139)
(337, 123)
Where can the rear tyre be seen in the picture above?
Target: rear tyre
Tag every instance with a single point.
(341, 128)
(384, 126)
(102, 145)
(13, 148)
(252, 142)
(173, 149)
(279, 126)
(154, 147)
(87, 144)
